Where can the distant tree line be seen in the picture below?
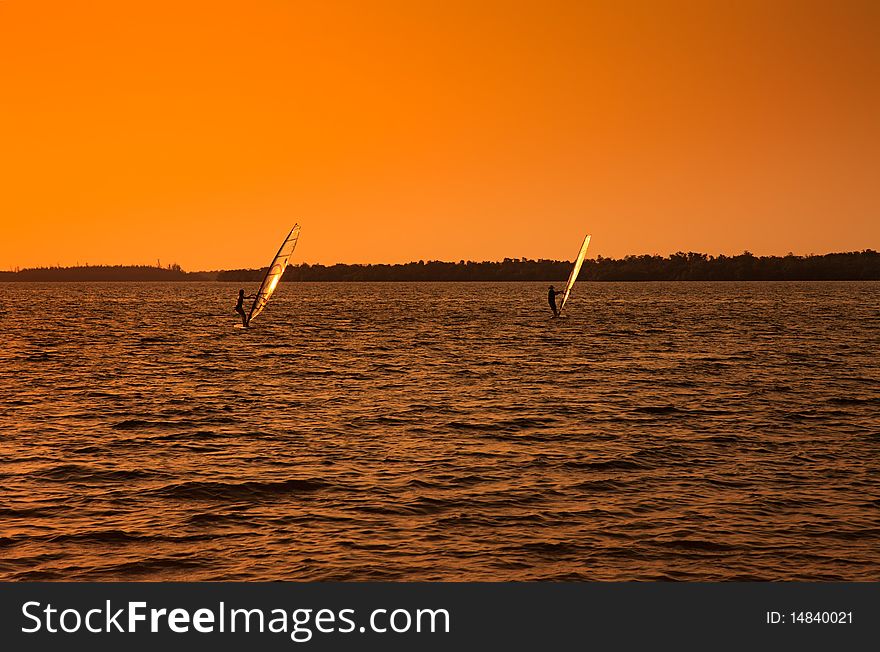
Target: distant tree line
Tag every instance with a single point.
(864, 265)
(854, 266)
(172, 272)
(435, 270)
(858, 265)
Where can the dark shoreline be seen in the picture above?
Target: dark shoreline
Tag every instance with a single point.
(848, 266)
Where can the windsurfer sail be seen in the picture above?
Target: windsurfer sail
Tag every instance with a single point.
(574, 272)
(274, 273)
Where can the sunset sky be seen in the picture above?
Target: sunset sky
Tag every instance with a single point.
(199, 132)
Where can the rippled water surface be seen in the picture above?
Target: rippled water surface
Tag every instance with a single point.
(693, 431)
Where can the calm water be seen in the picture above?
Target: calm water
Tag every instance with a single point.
(693, 431)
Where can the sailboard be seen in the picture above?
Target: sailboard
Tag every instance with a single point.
(274, 273)
(574, 272)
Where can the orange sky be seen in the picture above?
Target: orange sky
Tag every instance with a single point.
(198, 132)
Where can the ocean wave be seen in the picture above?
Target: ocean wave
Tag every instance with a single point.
(250, 490)
(84, 473)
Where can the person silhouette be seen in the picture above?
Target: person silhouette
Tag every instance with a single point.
(551, 299)
(239, 308)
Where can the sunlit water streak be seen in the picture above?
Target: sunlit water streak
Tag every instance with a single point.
(692, 431)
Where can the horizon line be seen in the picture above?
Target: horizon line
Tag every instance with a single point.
(177, 267)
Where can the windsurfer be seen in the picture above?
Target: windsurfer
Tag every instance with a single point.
(551, 299)
(239, 308)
